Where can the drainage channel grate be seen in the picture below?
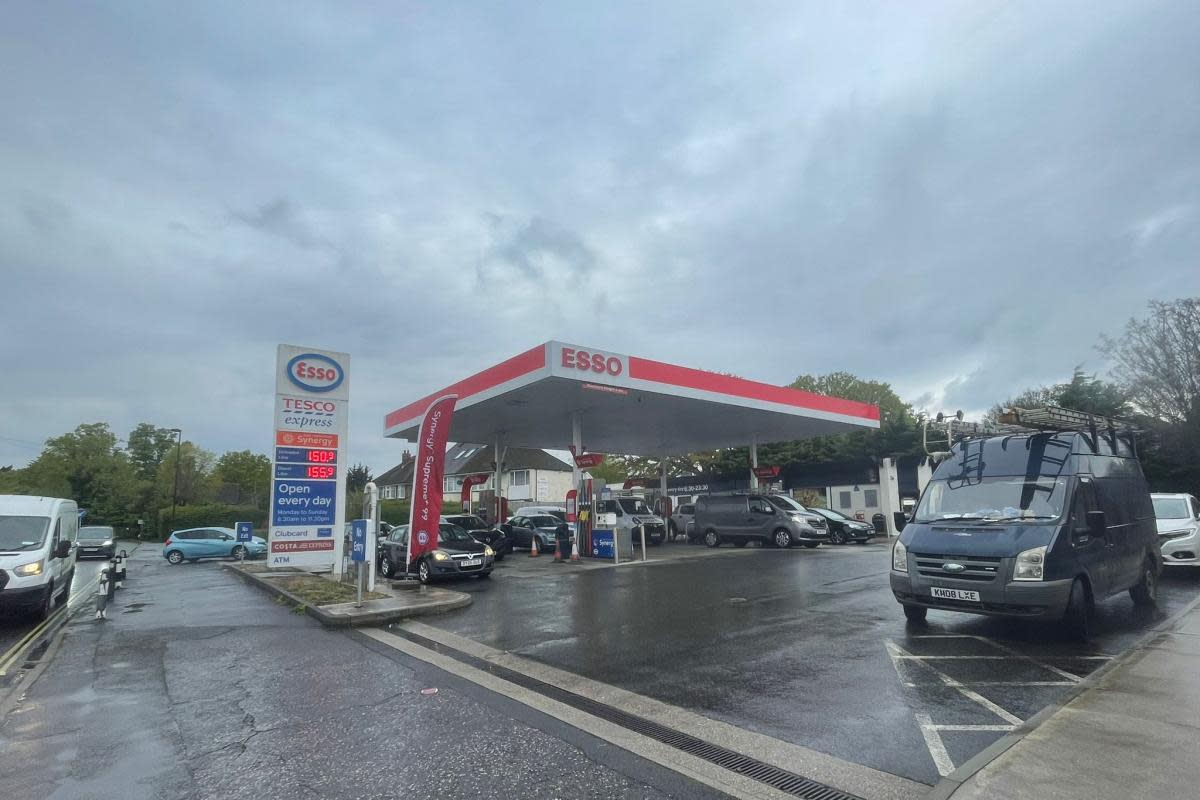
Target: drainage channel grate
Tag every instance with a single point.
(781, 779)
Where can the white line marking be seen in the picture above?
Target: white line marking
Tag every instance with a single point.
(1005, 728)
(966, 692)
(1049, 668)
(910, 684)
(933, 741)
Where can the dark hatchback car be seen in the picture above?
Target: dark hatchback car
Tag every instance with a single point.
(522, 530)
(843, 529)
(458, 555)
(96, 541)
(494, 537)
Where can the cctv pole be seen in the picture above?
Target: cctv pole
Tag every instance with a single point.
(175, 493)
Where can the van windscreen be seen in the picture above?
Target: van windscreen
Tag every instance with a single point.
(993, 499)
(22, 533)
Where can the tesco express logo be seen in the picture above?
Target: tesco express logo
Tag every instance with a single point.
(315, 373)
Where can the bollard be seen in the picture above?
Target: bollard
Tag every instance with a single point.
(642, 528)
(114, 577)
(102, 593)
(120, 574)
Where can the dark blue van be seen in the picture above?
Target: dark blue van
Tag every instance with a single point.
(1035, 524)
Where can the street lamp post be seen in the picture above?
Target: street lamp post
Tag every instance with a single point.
(178, 453)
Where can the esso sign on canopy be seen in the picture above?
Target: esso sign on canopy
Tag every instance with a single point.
(314, 372)
(588, 361)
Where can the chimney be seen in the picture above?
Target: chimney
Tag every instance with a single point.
(406, 457)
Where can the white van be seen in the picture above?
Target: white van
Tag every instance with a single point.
(37, 552)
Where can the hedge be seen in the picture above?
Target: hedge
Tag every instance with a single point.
(212, 514)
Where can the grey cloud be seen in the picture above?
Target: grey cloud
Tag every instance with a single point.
(536, 249)
(279, 217)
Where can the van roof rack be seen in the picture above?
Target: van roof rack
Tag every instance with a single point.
(1057, 418)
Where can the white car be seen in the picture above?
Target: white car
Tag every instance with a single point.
(1178, 519)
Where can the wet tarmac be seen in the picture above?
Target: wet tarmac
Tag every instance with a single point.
(14, 625)
(807, 646)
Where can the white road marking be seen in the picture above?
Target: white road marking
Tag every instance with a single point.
(910, 684)
(933, 742)
(1004, 728)
(898, 652)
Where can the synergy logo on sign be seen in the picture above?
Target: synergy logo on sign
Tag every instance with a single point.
(314, 372)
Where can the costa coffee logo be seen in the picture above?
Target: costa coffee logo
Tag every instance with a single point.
(314, 372)
(587, 361)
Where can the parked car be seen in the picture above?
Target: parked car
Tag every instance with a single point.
(458, 555)
(843, 529)
(522, 530)
(191, 544)
(631, 512)
(96, 540)
(554, 511)
(494, 537)
(37, 552)
(1177, 517)
(677, 525)
(789, 505)
(1037, 525)
(742, 518)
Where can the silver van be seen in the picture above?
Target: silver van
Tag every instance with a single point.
(740, 518)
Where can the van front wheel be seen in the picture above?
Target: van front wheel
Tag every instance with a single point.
(711, 538)
(915, 613)
(1078, 616)
(1145, 592)
(782, 538)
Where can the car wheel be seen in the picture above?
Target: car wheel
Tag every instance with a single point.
(781, 538)
(239, 552)
(837, 536)
(424, 573)
(1145, 593)
(711, 538)
(174, 557)
(46, 606)
(1078, 616)
(740, 543)
(915, 613)
(385, 567)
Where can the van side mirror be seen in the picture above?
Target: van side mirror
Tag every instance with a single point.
(1096, 523)
(899, 519)
(62, 549)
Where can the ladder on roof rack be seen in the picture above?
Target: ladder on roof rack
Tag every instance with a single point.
(1056, 418)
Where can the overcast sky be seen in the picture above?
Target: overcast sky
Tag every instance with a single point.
(958, 198)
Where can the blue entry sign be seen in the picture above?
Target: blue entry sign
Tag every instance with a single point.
(358, 540)
(602, 544)
(245, 531)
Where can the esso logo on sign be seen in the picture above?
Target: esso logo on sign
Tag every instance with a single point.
(304, 404)
(315, 373)
(586, 361)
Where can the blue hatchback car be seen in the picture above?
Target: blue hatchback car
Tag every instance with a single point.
(193, 543)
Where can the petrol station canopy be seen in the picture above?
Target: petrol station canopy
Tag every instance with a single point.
(627, 405)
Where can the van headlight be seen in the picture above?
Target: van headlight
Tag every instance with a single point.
(28, 570)
(899, 557)
(1031, 565)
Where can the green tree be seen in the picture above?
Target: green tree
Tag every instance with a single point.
(87, 466)
(195, 468)
(357, 478)
(1082, 393)
(147, 446)
(248, 471)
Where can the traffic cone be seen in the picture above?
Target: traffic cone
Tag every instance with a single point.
(557, 550)
(575, 548)
(533, 551)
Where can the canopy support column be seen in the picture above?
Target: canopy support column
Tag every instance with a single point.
(576, 477)
(496, 480)
(753, 462)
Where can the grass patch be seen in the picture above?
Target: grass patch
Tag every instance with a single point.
(320, 592)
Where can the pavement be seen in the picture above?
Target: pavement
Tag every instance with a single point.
(399, 604)
(1135, 732)
(199, 686)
